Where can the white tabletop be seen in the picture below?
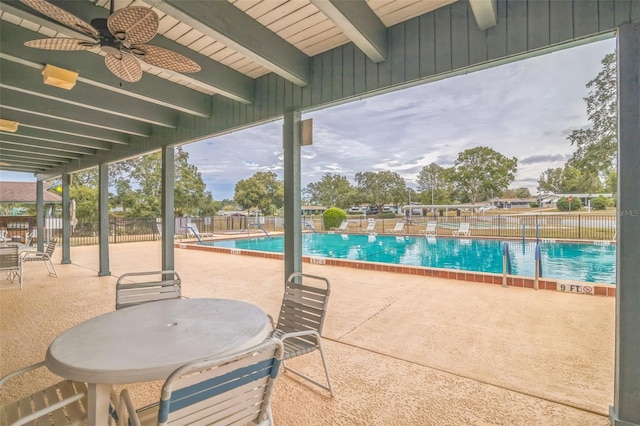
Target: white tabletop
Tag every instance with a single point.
(147, 342)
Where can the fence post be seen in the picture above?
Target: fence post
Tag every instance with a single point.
(579, 227)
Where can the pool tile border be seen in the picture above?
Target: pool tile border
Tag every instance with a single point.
(483, 278)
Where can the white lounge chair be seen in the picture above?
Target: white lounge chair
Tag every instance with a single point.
(343, 226)
(399, 229)
(463, 230)
(430, 230)
(193, 228)
(371, 226)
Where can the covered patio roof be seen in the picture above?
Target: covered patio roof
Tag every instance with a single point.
(264, 60)
(258, 59)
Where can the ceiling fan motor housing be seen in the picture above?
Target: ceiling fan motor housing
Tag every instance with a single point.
(109, 44)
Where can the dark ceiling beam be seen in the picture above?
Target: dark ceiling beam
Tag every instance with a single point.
(9, 140)
(23, 78)
(47, 124)
(65, 140)
(358, 22)
(13, 158)
(24, 169)
(227, 24)
(44, 152)
(13, 100)
(92, 69)
(485, 12)
(214, 75)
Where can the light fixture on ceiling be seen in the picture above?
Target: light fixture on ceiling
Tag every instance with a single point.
(8, 125)
(59, 77)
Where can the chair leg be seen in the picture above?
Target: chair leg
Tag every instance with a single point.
(48, 262)
(326, 371)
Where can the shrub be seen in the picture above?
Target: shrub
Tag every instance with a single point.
(563, 204)
(333, 217)
(533, 205)
(599, 203)
(387, 215)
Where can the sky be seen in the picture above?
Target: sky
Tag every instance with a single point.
(525, 109)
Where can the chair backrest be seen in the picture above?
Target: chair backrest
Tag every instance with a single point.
(464, 227)
(230, 390)
(399, 226)
(344, 224)
(371, 225)
(51, 247)
(304, 303)
(9, 257)
(431, 226)
(166, 285)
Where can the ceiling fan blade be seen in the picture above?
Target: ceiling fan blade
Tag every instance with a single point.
(62, 16)
(133, 25)
(126, 67)
(164, 58)
(61, 44)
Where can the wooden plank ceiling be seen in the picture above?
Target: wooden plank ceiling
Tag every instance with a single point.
(234, 42)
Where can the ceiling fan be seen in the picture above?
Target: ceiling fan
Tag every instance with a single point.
(121, 37)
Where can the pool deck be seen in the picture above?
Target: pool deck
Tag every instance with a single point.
(402, 348)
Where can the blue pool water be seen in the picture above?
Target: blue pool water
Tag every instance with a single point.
(570, 261)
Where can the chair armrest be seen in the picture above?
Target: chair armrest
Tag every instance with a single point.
(13, 374)
(292, 334)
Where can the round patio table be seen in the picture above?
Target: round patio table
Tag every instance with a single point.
(148, 342)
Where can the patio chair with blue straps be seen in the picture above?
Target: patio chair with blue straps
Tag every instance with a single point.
(235, 389)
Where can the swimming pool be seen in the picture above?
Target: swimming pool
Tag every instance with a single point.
(569, 261)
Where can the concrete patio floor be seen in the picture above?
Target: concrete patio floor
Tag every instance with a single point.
(402, 349)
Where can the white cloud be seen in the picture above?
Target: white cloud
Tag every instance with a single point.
(525, 109)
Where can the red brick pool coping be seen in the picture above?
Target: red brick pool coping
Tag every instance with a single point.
(484, 277)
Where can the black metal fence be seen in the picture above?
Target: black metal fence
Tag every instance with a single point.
(544, 226)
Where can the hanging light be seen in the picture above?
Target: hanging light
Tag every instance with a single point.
(8, 126)
(59, 77)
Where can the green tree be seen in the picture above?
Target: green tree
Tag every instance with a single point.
(481, 170)
(433, 184)
(191, 197)
(262, 191)
(551, 181)
(331, 190)
(596, 147)
(138, 184)
(84, 190)
(380, 188)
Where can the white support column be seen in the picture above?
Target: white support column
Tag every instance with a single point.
(292, 135)
(66, 219)
(626, 397)
(103, 219)
(168, 215)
